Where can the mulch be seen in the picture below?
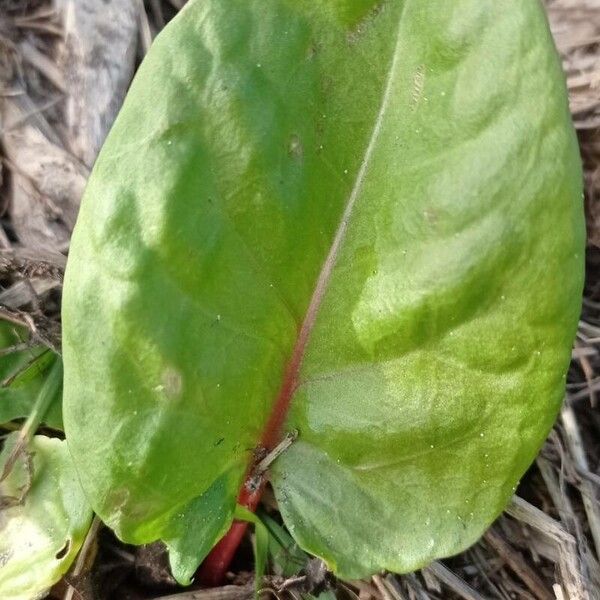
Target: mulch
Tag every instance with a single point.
(65, 66)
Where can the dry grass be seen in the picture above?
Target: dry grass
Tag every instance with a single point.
(546, 544)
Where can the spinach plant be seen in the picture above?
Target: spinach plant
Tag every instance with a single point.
(359, 220)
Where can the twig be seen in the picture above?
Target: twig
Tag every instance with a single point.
(144, 25)
(588, 372)
(588, 492)
(44, 65)
(516, 562)
(395, 590)
(258, 472)
(383, 590)
(453, 581)
(44, 332)
(560, 500)
(226, 592)
(569, 566)
(365, 588)
(17, 318)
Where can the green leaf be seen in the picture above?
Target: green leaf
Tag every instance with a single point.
(47, 395)
(25, 372)
(367, 212)
(286, 557)
(260, 545)
(40, 538)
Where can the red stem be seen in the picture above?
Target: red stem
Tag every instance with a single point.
(212, 571)
(215, 565)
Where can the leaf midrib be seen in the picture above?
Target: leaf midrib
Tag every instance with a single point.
(272, 431)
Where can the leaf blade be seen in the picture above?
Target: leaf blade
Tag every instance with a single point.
(446, 177)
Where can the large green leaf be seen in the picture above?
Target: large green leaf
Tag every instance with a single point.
(39, 538)
(372, 209)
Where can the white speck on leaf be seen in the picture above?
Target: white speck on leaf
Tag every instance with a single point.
(172, 382)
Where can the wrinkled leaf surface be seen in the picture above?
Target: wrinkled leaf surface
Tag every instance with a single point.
(411, 167)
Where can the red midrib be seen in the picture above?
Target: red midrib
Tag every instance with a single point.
(213, 569)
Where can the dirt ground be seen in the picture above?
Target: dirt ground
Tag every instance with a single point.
(65, 66)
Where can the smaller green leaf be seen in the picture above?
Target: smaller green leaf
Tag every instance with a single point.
(286, 557)
(260, 544)
(22, 375)
(36, 361)
(41, 536)
(47, 394)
